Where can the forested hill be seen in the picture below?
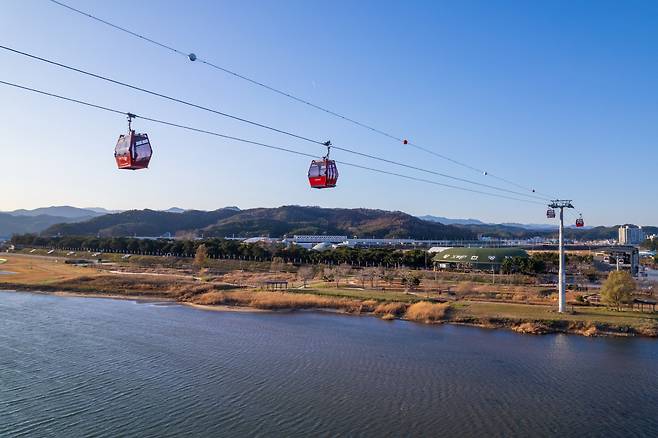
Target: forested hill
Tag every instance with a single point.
(141, 223)
(276, 222)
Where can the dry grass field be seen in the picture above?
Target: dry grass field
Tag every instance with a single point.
(41, 270)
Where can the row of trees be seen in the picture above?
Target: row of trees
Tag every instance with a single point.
(221, 248)
(523, 265)
(544, 262)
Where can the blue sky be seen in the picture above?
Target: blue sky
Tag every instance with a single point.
(561, 96)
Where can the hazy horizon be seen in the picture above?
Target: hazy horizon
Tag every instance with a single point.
(419, 215)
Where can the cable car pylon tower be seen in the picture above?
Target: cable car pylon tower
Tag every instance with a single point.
(561, 204)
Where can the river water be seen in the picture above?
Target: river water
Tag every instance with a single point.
(98, 367)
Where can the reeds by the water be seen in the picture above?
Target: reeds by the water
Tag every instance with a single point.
(390, 310)
(423, 311)
(427, 312)
(276, 300)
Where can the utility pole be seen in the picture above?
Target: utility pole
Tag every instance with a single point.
(561, 204)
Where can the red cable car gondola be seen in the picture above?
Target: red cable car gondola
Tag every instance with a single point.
(133, 151)
(580, 222)
(323, 173)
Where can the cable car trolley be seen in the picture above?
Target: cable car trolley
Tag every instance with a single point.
(580, 222)
(133, 150)
(550, 213)
(323, 173)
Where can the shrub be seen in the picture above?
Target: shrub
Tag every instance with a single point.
(410, 280)
(531, 328)
(618, 289)
(591, 330)
(464, 287)
(648, 329)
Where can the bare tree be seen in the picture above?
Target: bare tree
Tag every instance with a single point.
(277, 264)
(388, 277)
(343, 271)
(201, 257)
(372, 274)
(363, 276)
(306, 273)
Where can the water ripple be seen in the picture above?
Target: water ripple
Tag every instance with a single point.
(85, 367)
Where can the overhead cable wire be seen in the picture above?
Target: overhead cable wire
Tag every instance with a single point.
(262, 125)
(256, 143)
(163, 96)
(193, 57)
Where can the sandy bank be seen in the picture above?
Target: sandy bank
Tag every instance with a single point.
(226, 308)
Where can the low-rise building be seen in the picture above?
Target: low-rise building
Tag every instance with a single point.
(485, 259)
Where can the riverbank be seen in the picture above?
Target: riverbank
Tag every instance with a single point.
(47, 275)
(537, 320)
(546, 321)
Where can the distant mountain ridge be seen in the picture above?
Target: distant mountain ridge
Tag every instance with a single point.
(10, 224)
(141, 223)
(37, 220)
(174, 210)
(65, 211)
(448, 221)
(286, 220)
(470, 221)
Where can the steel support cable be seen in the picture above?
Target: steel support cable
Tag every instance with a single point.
(194, 57)
(161, 95)
(256, 143)
(261, 125)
